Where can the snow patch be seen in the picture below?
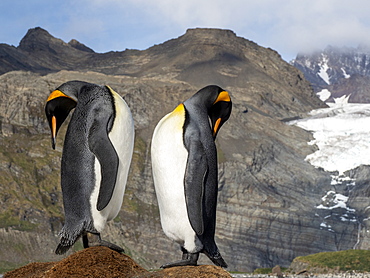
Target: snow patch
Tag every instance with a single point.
(334, 200)
(324, 94)
(326, 226)
(345, 74)
(323, 72)
(342, 100)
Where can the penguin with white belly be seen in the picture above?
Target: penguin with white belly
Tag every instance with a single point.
(96, 158)
(184, 164)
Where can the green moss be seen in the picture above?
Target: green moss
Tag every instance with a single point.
(18, 247)
(132, 204)
(31, 176)
(347, 260)
(117, 219)
(8, 220)
(266, 270)
(138, 157)
(26, 226)
(262, 271)
(8, 266)
(78, 246)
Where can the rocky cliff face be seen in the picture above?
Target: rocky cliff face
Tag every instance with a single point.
(343, 71)
(268, 193)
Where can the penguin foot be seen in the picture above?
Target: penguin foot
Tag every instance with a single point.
(187, 259)
(112, 246)
(216, 259)
(90, 240)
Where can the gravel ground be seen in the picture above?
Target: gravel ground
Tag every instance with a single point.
(342, 275)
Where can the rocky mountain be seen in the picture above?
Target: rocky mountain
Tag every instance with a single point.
(268, 194)
(344, 72)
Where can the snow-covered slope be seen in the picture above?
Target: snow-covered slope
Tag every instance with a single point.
(342, 135)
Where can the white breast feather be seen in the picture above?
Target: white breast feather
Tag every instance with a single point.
(169, 157)
(122, 138)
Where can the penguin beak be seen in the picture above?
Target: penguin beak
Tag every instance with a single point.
(53, 131)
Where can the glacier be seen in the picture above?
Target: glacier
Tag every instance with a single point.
(341, 133)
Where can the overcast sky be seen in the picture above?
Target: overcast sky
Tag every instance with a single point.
(287, 26)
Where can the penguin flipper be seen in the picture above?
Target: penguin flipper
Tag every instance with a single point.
(196, 170)
(103, 149)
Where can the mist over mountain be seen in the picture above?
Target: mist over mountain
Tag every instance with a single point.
(269, 195)
(343, 71)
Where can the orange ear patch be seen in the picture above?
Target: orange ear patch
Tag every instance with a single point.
(56, 94)
(223, 96)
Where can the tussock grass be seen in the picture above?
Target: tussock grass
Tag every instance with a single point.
(358, 260)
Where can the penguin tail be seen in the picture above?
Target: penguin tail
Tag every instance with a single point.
(67, 239)
(61, 249)
(64, 245)
(216, 258)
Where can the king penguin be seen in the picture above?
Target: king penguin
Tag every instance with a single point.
(96, 158)
(184, 165)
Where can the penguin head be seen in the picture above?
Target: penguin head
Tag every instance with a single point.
(218, 103)
(59, 103)
(57, 108)
(220, 111)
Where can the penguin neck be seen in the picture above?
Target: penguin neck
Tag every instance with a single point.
(73, 88)
(198, 116)
(200, 111)
(199, 101)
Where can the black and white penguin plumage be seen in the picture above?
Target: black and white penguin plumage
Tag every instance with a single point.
(184, 163)
(96, 158)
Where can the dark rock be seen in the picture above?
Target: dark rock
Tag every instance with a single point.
(276, 270)
(80, 46)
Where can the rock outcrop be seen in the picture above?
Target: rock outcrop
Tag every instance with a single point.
(268, 193)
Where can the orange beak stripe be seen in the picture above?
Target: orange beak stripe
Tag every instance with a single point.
(216, 127)
(53, 126)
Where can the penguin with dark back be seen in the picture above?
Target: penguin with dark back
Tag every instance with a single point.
(184, 164)
(96, 157)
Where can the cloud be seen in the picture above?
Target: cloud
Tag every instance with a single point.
(288, 26)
